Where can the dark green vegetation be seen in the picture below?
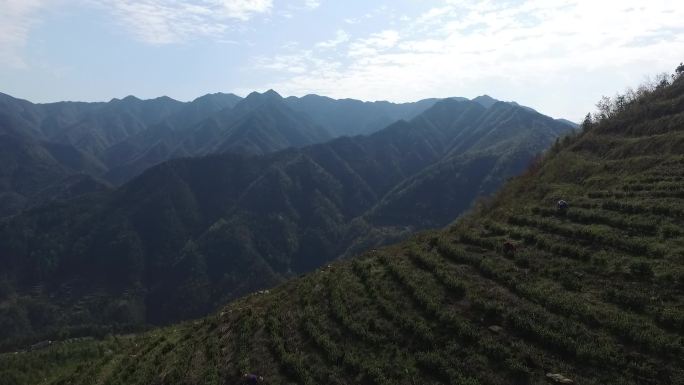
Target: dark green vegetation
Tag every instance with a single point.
(191, 234)
(595, 294)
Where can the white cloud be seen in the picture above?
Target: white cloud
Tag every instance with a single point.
(340, 38)
(312, 4)
(172, 21)
(374, 44)
(518, 50)
(305, 62)
(241, 9)
(16, 19)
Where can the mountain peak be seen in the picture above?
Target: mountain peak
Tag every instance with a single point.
(268, 95)
(256, 99)
(485, 100)
(163, 98)
(130, 98)
(126, 100)
(217, 95)
(272, 94)
(218, 100)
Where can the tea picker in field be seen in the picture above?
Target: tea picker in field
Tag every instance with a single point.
(252, 379)
(509, 248)
(562, 206)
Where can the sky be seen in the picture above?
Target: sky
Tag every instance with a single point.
(558, 57)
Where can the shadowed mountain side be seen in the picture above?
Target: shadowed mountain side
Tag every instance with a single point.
(190, 234)
(124, 137)
(258, 124)
(30, 166)
(501, 144)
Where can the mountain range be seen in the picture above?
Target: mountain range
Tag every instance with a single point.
(190, 234)
(522, 290)
(46, 144)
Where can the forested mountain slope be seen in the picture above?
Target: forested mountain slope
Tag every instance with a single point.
(31, 166)
(191, 234)
(591, 295)
(484, 157)
(45, 145)
(258, 124)
(118, 140)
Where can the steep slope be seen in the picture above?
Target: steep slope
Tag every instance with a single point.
(123, 138)
(258, 124)
(120, 139)
(30, 161)
(114, 122)
(501, 146)
(46, 147)
(191, 234)
(30, 166)
(592, 295)
(40, 121)
(263, 123)
(169, 129)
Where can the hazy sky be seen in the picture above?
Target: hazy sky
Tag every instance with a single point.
(558, 57)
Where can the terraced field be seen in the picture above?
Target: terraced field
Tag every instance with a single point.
(592, 295)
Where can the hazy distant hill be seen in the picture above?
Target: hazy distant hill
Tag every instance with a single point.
(45, 143)
(190, 234)
(353, 117)
(258, 124)
(568, 122)
(120, 139)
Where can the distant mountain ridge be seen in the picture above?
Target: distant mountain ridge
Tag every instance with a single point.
(257, 124)
(192, 233)
(353, 117)
(119, 139)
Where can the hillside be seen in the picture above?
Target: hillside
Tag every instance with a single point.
(31, 166)
(484, 157)
(592, 295)
(191, 234)
(45, 145)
